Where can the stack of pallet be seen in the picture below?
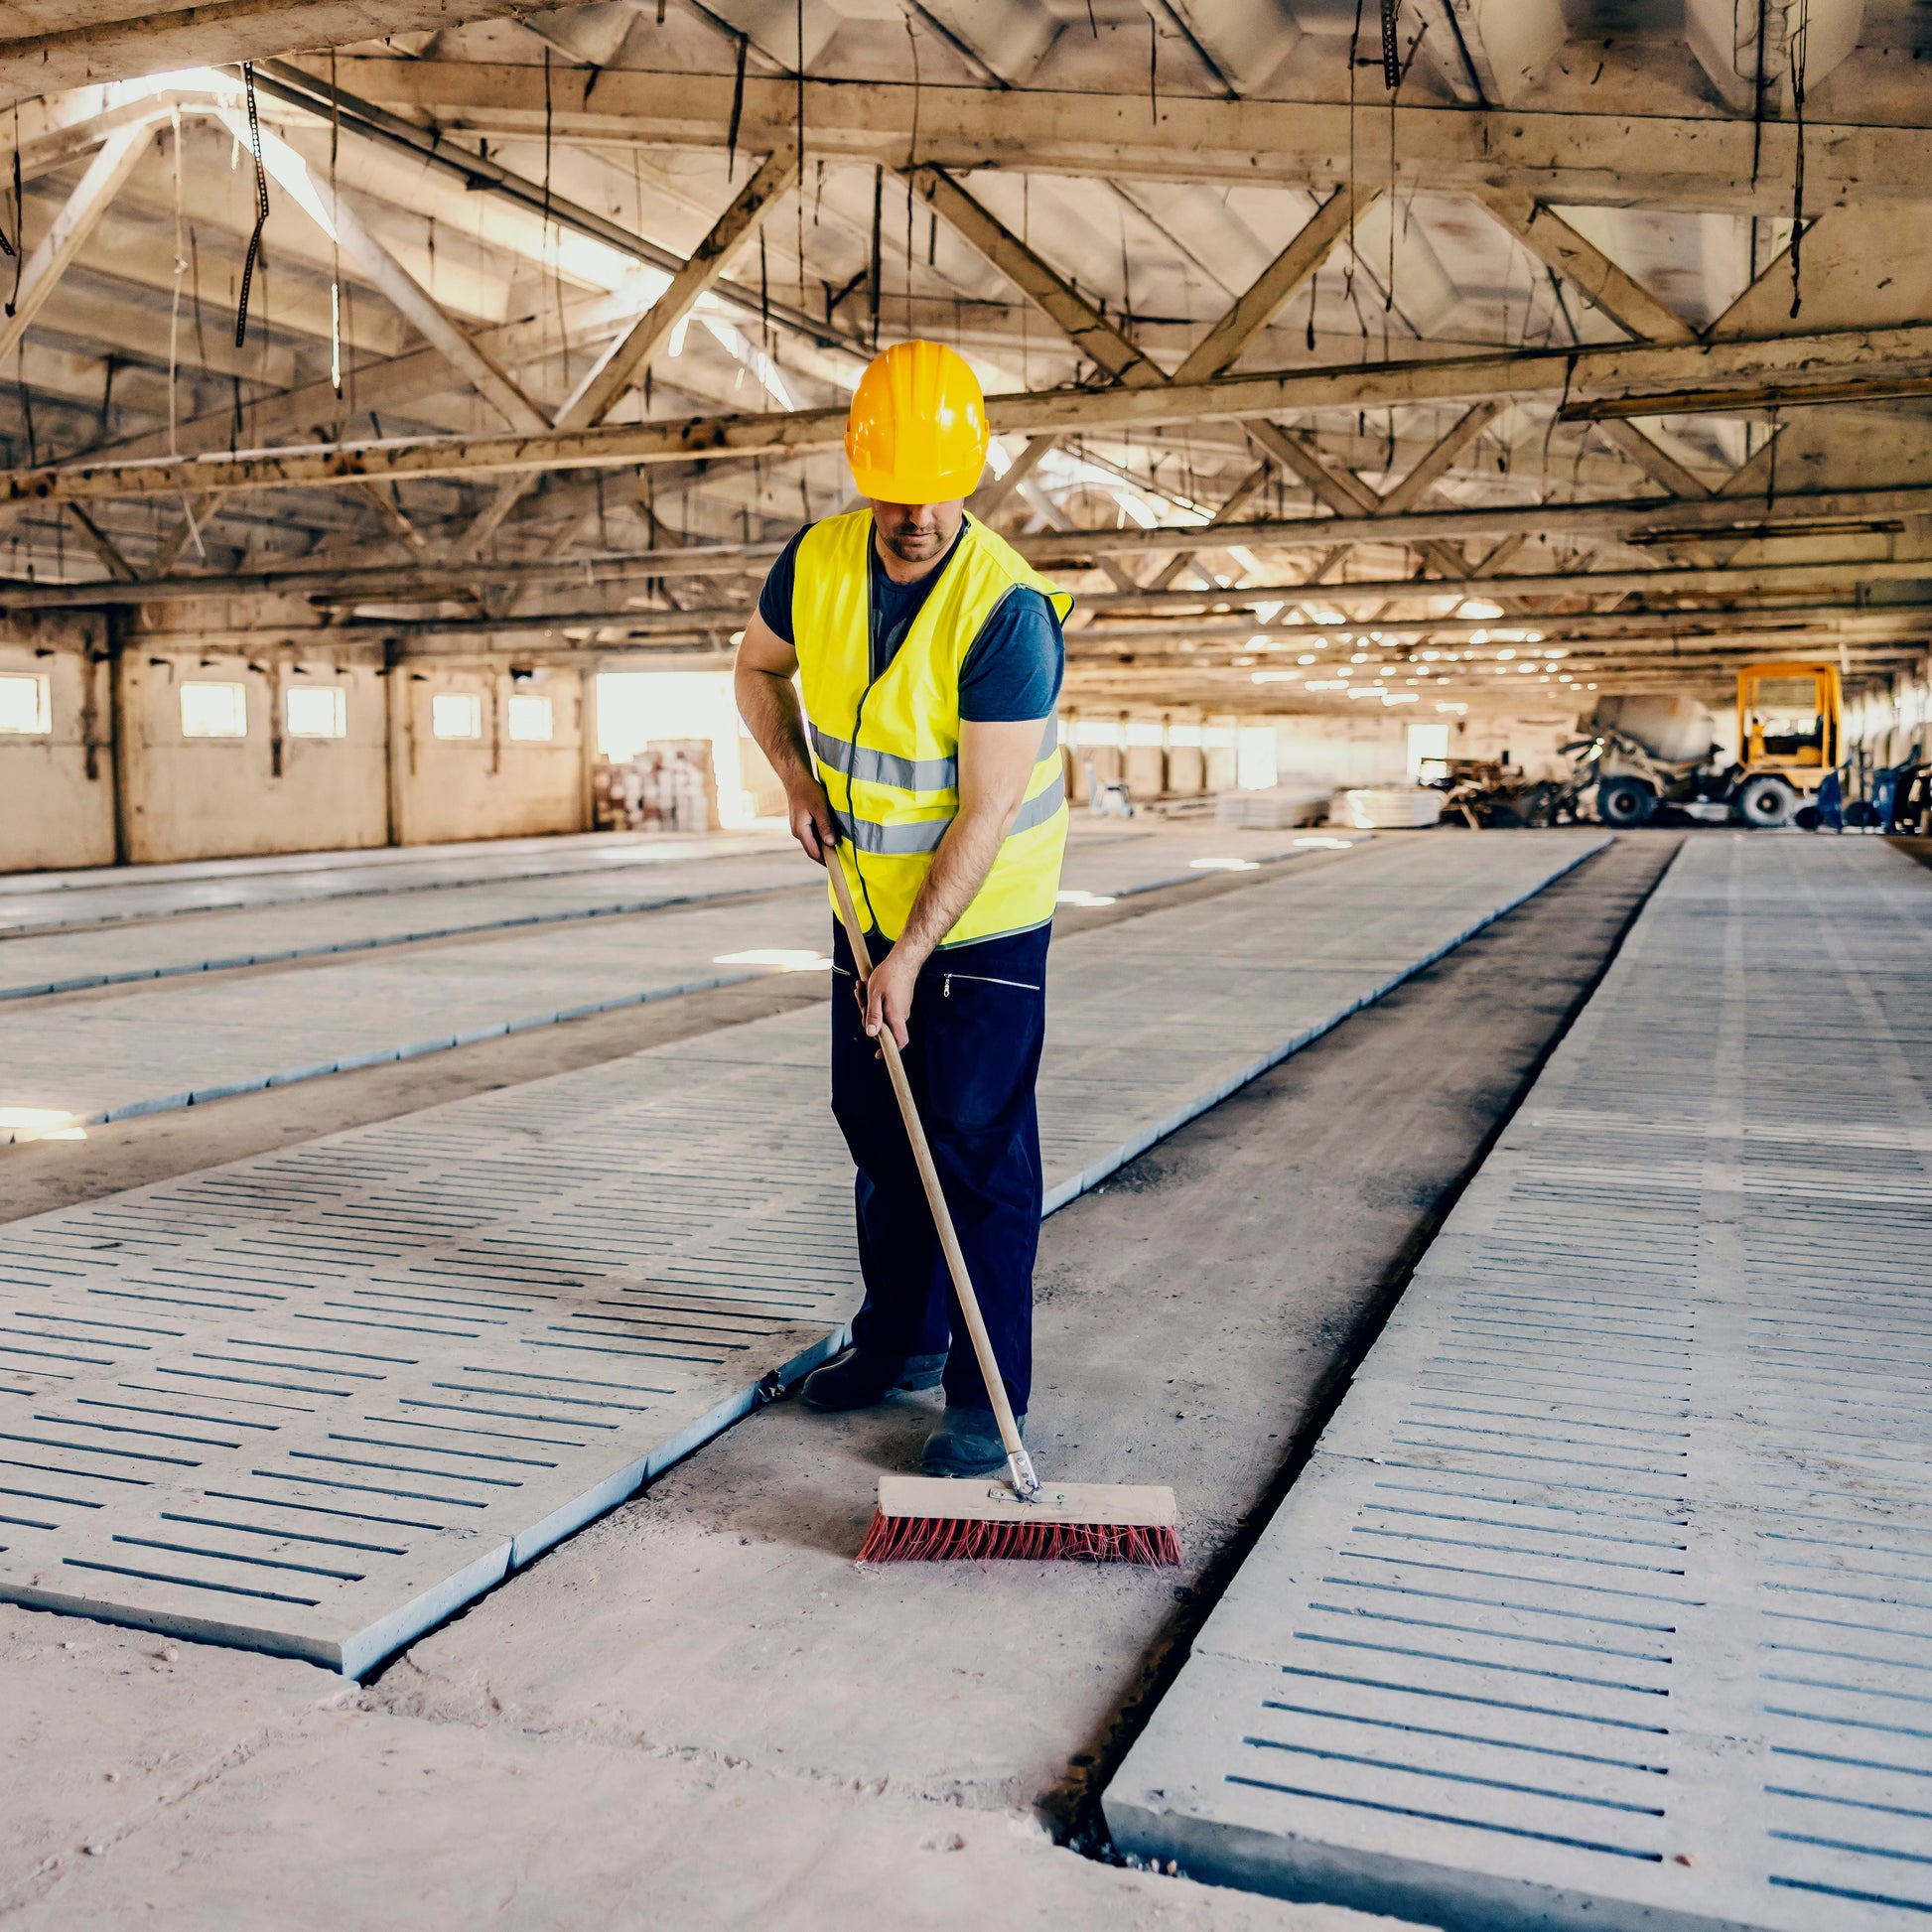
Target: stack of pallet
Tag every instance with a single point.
(669, 786)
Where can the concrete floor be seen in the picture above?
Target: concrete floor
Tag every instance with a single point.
(699, 1711)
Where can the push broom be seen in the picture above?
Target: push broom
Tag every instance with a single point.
(934, 1518)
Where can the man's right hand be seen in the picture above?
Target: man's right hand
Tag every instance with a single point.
(811, 819)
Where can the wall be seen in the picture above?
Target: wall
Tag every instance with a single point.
(195, 797)
(57, 790)
(1894, 722)
(117, 776)
(1360, 749)
(491, 787)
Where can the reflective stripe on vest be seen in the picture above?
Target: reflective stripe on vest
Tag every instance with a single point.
(888, 749)
(912, 775)
(925, 834)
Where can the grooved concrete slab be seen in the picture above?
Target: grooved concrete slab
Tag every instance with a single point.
(174, 1044)
(44, 902)
(1606, 1597)
(313, 1401)
(180, 1042)
(123, 953)
(385, 909)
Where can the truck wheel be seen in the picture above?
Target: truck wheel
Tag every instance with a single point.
(1624, 802)
(1766, 800)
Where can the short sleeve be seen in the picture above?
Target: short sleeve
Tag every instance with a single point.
(1013, 670)
(774, 599)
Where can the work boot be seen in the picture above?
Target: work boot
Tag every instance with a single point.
(967, 1444)
(862, 1377)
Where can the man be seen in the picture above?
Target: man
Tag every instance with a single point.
(925, 761)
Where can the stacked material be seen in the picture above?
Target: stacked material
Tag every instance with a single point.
(1294, 801)
(1387, 808)
(666, 787)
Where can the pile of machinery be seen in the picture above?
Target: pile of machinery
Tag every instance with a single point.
(1649, 751)
(1648, 758)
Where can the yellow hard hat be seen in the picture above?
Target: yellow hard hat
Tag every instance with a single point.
(917, 432)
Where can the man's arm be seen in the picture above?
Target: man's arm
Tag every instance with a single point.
(995, 762)
(767, 701)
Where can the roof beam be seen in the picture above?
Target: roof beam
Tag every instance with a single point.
(610, 377)
(1587, 268)
(1439, 461)
(1236, 501)
(102, 545)
(749, 559)
(1090, 332)
(123, 45)
(1622, 160)
(1787, 365)
(480, 172)
(1652, 459)
(1341, 488)
(118, 156)
(1277, 285)
(1078, 319)
(333, 214)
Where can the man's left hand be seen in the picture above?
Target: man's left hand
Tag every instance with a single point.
(889, 995)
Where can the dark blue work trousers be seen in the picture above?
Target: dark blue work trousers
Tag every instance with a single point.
(979, 1019)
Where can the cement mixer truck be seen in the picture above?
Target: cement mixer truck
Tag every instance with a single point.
(1648, 753)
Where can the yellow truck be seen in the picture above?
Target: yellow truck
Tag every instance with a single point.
(1651, 751)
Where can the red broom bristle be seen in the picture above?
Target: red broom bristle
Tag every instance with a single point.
(945, 1539)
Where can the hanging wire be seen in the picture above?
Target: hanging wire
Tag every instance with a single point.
(737, 110)
(17, 247)
(1799, 55)
(334, 243)
(181, 257)
(261, 206)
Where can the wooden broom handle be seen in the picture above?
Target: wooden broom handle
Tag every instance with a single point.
(1024, 1479)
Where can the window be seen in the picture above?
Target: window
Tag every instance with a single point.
(25, 706)
(1254, 757)
(213, 711)
(317, 711)
(530, 721)
(456, 714)
(1428, 752)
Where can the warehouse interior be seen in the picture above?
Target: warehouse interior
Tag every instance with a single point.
(1486, 1117)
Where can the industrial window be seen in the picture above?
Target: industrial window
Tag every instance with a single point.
(26, 709)
(213, 711)
(456, 714)
(1428, 752)
(1254, 757)
(317, 711)
(530, 721)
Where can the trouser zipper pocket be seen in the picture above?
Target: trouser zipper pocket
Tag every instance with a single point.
(981, 979)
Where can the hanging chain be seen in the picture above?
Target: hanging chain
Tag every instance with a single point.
(261, 205)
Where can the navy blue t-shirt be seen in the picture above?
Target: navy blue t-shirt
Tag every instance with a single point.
(1013, 668)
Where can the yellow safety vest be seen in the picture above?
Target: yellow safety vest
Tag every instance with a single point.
(888, 752)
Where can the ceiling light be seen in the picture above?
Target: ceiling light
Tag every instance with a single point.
(1477, 607)
(1505, 654)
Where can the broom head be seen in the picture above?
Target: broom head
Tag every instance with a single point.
(934, 1519)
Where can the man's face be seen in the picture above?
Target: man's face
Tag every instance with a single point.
(918, 533)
